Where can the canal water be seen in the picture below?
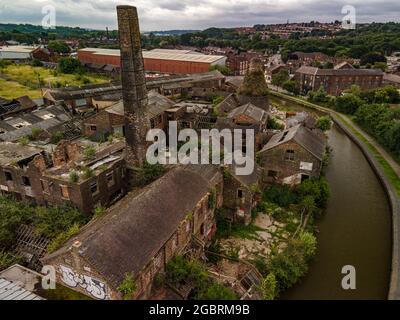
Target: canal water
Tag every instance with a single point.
(356, 230)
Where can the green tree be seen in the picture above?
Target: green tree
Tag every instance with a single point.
(58, 46)
(70, 66)
(319, 96)
(280, 78)
(288, 266)
(290, 85)
(37, 63)
(348, 103)
(56, 137)
(309, 243)
(268, 287)
(35, 133)
(223, 69)
(323, 123)
(317, 188)
(150, 172)
(372, 57)
(381, 65)
(73, 177)
(281, 195)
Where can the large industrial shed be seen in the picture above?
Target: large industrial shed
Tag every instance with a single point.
(16, 52)
(158, 60)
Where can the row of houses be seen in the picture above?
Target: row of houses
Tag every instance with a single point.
(302, 68)
(336, 81)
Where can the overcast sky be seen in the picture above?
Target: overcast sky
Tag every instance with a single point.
(196, 14)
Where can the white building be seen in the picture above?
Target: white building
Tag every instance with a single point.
(16, 52)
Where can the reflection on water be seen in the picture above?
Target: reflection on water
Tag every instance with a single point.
(356, 230)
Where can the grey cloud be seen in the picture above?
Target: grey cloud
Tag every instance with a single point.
(196, 14)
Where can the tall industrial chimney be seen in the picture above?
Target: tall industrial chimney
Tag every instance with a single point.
(134, 89)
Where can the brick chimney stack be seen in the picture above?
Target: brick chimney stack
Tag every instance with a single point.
(134, 89)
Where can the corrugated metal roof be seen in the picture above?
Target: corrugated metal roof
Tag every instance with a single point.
(18, 49)
(11, 291)
(162, 55)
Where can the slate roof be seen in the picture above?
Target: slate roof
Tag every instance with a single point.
(312, 142)
(307, 70)
(235, 81)
(247, 180)
(339, 72)
(249, 110)
(16, 105)
(157, 105)
(137, 227)
(231, 102)
(344, 64)
(14, 152)
(96, 90)
(391, 78)
(45, 119)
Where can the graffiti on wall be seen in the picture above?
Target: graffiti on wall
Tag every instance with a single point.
(93, 286)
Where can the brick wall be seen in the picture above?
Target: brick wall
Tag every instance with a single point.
(156, 65)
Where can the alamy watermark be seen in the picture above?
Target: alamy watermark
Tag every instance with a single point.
(349, 280)
(349, 20)
(49, 19)
(188, 147)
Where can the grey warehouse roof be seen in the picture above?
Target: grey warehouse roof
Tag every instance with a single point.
(11, 291)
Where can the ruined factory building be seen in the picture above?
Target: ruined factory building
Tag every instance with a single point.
(112, 119)
(141, 233)
(293, 155)
(48, 120)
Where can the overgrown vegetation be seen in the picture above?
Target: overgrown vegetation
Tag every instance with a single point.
(150, 172)
(288, 266)
(323, 123)
(374, 110)
(73, 177)
(296, 209)
(70, 66)
(56, 223)
(89, 152)
(7, 260)
(273, 124)
(20, 80)
(285, 267)
(180, 271)
(254, 83)
(128, 287)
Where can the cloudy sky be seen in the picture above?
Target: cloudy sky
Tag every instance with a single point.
(196, 14)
